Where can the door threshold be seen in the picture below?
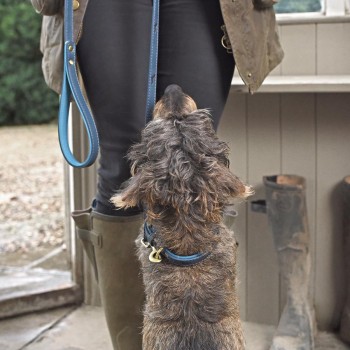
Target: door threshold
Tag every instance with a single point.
(28, 290)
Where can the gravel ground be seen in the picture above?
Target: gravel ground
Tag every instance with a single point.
(31, 190)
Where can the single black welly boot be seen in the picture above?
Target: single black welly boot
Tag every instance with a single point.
(287, 216)
(109, 242)
(345, 319)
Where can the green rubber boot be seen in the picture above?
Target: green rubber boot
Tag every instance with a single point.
(109, 242)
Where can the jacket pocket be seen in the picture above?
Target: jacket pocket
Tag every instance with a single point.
(48, 7)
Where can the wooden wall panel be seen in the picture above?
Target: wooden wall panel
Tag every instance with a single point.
(232, 129)
(333, 48)
(305, 134)
(264, 150)
(333, 163)
(299, 44)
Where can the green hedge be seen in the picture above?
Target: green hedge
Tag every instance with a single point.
(24, 96)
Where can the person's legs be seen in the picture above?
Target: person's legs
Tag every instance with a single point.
(191, 54)
(113, 54)
(113, 57)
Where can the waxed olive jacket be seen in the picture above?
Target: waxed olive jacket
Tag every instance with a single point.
(249, 31)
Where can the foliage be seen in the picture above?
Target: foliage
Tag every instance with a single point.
(24, 96)
(285, 6)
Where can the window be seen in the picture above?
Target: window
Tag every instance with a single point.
(320, 8)
(295, 6)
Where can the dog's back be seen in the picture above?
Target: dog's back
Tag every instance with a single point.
(190, 308)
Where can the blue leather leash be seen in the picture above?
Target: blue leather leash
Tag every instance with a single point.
(153, 60)
(71, 87)
(156, 254)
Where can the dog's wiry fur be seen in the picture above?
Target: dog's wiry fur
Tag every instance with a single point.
(180, 174)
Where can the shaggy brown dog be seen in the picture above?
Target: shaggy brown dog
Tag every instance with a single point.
(180, 174)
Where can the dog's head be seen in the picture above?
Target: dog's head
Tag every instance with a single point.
(174, 104)
(180, 169)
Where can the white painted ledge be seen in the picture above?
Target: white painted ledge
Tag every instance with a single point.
(303, 84)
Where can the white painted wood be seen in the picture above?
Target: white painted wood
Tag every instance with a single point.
(299, 43)
(291, 84)
(264, 153)
(333, 164)
(333, 49)
(282, 137)
(347, 6)
(311, 17)
(277, 70)
(335, 7)
(232, 129)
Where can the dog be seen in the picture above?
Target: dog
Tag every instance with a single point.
(181, 177)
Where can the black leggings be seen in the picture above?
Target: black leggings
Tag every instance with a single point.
(113, 54)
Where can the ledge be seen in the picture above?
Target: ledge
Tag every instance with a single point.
(307, 18)
(295, 84)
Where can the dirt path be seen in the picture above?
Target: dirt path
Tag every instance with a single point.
(31, 192)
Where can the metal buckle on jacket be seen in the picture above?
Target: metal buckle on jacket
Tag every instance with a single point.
(225, 40)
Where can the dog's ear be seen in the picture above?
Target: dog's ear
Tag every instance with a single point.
(131, 192)
(129, 196)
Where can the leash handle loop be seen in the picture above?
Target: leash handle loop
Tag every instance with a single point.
(71, 87)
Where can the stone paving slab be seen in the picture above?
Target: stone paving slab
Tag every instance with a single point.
(259, 337)
(85, 329)
(16, 333)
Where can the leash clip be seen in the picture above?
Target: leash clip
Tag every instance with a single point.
(155, 255)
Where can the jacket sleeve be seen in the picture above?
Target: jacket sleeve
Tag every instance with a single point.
(48, 7)
(264, 4)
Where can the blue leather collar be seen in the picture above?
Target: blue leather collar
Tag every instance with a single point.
(179, 260)
(71, 88)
